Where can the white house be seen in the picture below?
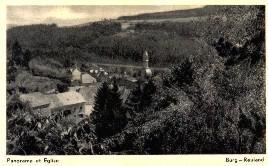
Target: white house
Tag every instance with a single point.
(69, 105)
(88, 93)
(76, 75)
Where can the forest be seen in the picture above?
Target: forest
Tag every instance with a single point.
(197, 12)
(212, 101)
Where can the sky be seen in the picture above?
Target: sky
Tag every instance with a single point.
(74, 15)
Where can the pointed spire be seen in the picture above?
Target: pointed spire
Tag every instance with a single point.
(145, 59)
(75, 64)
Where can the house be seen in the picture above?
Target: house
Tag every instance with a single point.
(75, 88)
(76, 75)
(101, 70)
(79, 78)
(88, 93)
(69, 105)
(87, 79)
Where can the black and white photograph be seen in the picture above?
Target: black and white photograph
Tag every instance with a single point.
(135, 79)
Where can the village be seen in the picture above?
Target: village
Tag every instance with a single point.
(78, 102)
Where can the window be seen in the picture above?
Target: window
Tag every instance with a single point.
(66, 113)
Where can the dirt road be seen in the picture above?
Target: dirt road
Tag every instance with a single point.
(131, 66)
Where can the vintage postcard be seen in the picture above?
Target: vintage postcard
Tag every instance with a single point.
(133, 84)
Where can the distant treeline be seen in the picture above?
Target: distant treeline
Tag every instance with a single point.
(207, 10)
(186, 29)
(51, 37)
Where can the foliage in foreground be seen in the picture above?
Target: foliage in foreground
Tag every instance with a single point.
(29, 134)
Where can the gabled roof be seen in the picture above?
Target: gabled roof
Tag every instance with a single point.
(89, 93)
(86, 78)
(53, 100)
(35, 99)
(69, 98)
(76, 71)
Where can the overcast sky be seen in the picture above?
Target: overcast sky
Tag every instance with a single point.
(73, 15)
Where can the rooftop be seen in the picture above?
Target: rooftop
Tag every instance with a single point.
(35, 99)
(53, 100)
(86, 78)
(69, 98)
(89, 93)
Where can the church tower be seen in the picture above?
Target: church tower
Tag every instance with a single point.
(145, 60)
(147, 73)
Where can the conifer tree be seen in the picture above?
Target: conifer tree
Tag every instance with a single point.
(147, 94)
(140, 98)
(17, 53)
(100, 102)
(132, 104)
(108, 115)
(26, 58)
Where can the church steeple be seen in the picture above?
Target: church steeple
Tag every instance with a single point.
(145, 60)
(147, 73)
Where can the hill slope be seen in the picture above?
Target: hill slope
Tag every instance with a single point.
(174, 14)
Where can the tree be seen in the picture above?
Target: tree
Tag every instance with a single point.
(26, 58)
(132, 104)
(147, 94)
(241, 27)
(62, 87)
(140, 97)
(17, 54)
(108, 115)
(241, 86)
(181, 75)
